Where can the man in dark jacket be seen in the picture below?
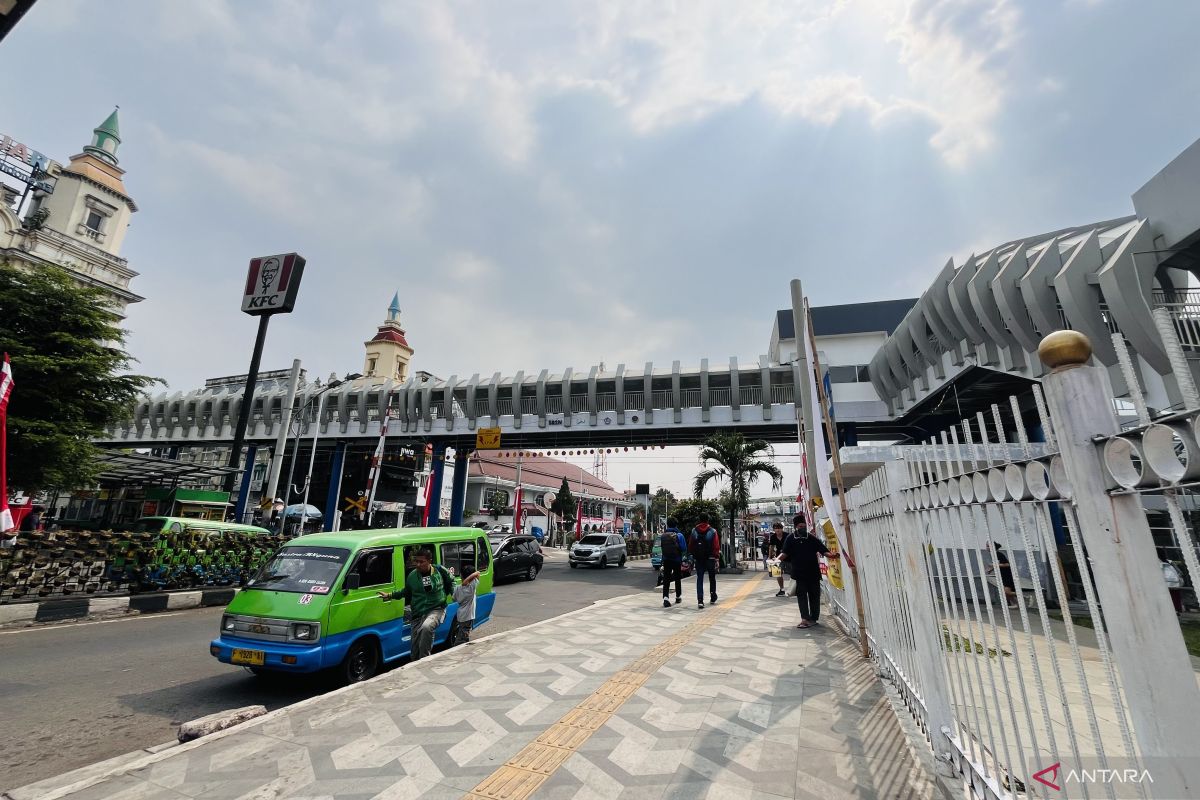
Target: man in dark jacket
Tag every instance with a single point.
(674, 548)
(704, 545)
(800, 551)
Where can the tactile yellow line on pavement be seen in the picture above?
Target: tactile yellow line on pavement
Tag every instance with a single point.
(522, 774)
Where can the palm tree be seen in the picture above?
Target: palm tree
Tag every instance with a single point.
(738, 463)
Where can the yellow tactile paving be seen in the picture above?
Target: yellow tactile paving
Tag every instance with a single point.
(522, 774)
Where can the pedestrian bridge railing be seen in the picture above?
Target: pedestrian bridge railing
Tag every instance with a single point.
(967, 548)
(726, 395)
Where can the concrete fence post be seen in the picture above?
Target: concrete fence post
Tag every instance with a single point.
(1147, 644)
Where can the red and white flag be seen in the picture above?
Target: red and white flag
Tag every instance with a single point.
(6, 387)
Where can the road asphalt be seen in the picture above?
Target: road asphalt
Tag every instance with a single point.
(74, 694)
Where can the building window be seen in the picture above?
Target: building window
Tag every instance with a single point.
(843, 374)
(854, 373)
(488, 494)
(370, 366)
(95, 221)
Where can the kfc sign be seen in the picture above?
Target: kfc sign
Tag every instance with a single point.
(272, 283)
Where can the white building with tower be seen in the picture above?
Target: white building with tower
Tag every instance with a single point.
(72, 216)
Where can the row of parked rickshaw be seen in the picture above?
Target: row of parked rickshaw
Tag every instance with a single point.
(155, 554)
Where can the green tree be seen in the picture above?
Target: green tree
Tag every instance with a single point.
(637, 519)
(564, 502)
(661, 505)
(737, 464)
(564, 506)
(688, 512)
(71, 375)
(497, 503)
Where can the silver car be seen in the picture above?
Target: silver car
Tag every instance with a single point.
(598, 550)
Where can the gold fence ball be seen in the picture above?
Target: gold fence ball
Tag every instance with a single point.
(1065, 349)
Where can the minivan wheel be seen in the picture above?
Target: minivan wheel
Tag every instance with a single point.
(362, 662)
(532, 574)
(603, 562)
(621, 563)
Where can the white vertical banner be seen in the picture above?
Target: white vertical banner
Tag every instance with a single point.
(832, 506)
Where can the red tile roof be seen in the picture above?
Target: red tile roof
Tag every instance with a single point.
(387, 334)
(542, 472)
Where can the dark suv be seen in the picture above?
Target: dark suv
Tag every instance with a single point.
(516, 556)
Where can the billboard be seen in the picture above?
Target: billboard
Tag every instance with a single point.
(272, 283)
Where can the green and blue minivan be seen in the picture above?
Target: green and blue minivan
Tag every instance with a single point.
(315, 604)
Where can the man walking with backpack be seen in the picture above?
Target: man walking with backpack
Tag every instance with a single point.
(704, 545)
(800, 551)
(673, 546)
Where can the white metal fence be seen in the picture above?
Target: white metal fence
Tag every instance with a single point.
(966, 547)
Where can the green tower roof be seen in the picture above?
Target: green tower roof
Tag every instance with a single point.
(111, 126)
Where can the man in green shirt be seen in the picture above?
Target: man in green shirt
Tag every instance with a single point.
(425, 590)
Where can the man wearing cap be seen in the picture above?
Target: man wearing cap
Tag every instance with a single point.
(800, 552)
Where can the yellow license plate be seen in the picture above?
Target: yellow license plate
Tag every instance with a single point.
(252, 658)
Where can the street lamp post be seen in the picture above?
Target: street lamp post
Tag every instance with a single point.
(312, 456)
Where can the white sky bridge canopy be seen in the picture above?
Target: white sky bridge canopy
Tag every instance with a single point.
(649, 404)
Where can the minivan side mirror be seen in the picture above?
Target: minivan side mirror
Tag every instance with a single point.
(353, 581)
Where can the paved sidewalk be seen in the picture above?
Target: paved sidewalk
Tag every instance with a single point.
(624, 699)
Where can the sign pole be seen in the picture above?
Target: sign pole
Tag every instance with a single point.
(239, 433)
(271, 286)
(831, 432)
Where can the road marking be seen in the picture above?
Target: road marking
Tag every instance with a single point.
(97, 622)
(525, 772)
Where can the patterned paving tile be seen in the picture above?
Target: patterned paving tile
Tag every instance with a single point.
(749, 707)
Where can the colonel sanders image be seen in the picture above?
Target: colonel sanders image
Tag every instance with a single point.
(270, 269)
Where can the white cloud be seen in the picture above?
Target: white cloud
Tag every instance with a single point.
(951, 50)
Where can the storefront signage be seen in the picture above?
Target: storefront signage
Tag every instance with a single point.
(25, 164)
(272, 283)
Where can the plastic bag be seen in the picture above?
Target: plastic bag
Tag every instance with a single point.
(793, 589)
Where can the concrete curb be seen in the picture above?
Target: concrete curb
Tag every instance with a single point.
(59, 608)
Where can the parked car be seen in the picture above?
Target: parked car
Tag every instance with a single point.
(516, 556)
(598, 550)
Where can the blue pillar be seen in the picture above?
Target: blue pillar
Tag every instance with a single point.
(458, 500)
(435, 486)
(239, 510)
(332, 501)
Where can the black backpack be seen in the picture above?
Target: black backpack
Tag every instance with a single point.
(669, 542)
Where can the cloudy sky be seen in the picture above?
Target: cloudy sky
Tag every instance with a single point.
(565, 183)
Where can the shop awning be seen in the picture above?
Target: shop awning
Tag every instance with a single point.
(137, 469)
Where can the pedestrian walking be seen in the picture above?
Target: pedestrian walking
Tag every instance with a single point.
(774, 550)
(464, 595)
(704, 546)
(33, 520)
(1174, 582)
(425, 590)
(673, 547)
(1006, 575)
(800, 551)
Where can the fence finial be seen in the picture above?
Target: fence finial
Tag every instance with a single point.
(1065, 349)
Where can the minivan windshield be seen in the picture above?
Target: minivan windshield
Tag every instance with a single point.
(594, 540)
(310, 570)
